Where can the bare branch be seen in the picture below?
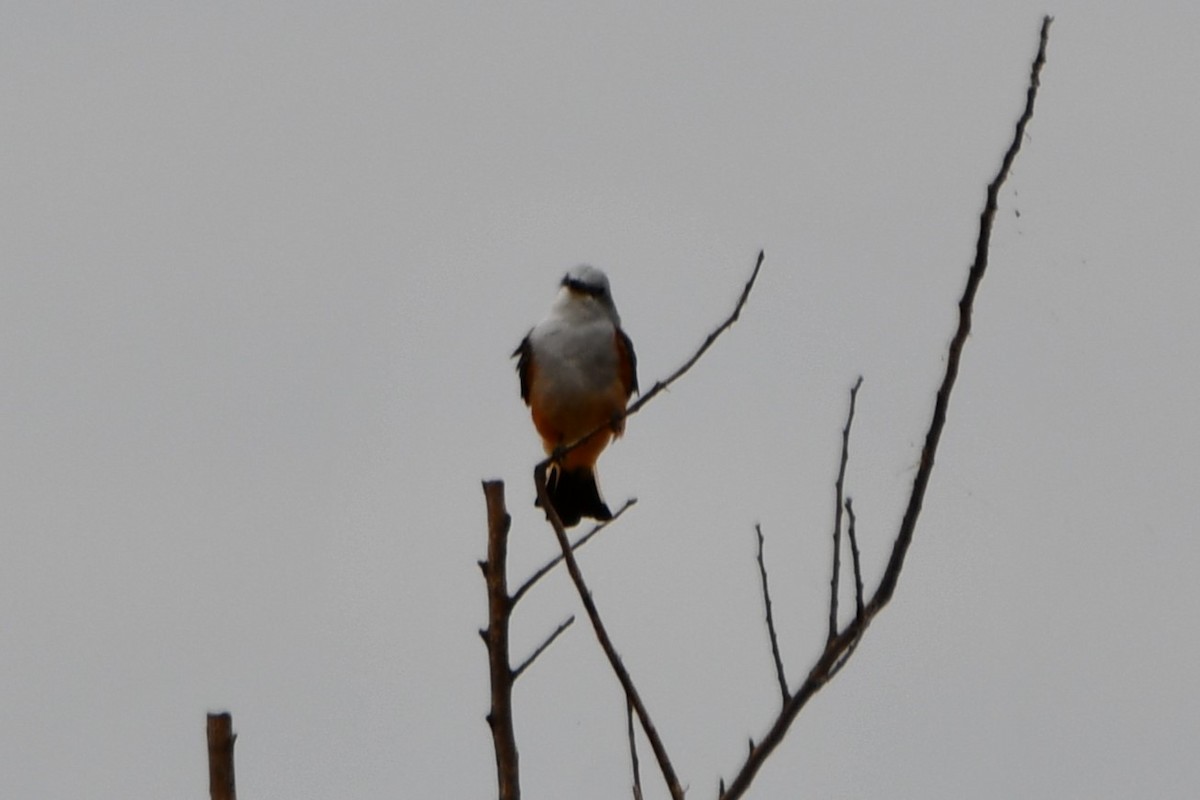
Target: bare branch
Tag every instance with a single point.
(541, 647)
(965, 305)
(499, 718)
(554, 562)
(712, 337)
(839, 649)
(633, 756)
(560, 452)
(837, 515)
(841, 662)
(614, 660)
(858, 581)
(762, 571)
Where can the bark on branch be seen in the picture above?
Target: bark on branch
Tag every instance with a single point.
(221, 737)
(495, 636)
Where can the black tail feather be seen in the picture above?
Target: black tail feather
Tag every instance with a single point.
(575, 495)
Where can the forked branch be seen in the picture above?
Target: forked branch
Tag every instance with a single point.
(839, 647)
(839, 492)
(841, 643)
(580, 542)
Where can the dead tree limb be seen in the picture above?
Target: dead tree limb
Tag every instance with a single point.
(221, 737)
(838, 649)
(495, 636)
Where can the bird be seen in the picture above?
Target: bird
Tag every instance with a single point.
(577, 370)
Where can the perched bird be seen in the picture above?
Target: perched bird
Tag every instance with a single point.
(578, 370)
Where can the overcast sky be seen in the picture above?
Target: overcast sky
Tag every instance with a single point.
(261, 269)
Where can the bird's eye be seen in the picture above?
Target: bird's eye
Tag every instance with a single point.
(583, 288)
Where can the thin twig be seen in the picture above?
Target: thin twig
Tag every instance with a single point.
(560, 452)
(712, 337)
(858, 581)
(541, 648)
(554, 562)
(834, 656)
(633, 756)
(614, 660)
(837, 516)
(833, 576)
(762, 571)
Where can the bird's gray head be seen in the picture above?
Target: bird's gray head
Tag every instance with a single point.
(589, 284)
(586, 279)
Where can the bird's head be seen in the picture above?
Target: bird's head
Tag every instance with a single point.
(586, 286)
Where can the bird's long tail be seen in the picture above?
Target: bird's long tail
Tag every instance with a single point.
(575, 495)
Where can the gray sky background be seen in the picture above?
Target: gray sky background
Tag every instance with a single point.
(262, 268)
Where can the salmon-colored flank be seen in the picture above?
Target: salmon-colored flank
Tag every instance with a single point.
(563, 425)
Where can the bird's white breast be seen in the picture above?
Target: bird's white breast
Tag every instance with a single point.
(575, 358)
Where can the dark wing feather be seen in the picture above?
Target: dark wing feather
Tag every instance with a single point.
(627, 362)
(524, 356)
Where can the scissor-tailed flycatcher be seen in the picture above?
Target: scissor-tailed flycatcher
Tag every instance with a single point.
(577, 371)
